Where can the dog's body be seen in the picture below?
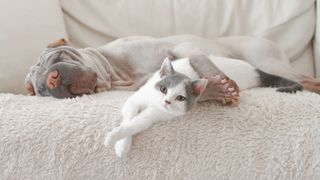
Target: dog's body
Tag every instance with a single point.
(126, 63)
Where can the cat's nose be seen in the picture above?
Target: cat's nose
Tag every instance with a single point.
(167, 102)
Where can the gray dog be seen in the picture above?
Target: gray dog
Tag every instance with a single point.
(126, 63)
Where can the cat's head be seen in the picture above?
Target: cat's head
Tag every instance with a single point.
(178, 92)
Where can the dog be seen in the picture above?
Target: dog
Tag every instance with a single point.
(125, 64)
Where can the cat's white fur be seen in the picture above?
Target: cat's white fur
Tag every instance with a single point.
(147, 106)
(244, 74)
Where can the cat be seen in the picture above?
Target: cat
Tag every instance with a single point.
(176, 87)
(166, 95)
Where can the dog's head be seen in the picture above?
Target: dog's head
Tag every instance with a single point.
(60, 73)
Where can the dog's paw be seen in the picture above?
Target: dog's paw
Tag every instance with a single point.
(226, 90)
(122, 147)
(102, 87)
(312, 85)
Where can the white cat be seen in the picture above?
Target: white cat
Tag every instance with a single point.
(176, 87)
(166, 95)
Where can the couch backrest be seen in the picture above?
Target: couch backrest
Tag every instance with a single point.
(289, 23)
(28, 26)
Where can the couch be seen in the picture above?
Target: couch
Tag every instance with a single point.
(268, 136)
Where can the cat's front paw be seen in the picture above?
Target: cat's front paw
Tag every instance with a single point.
(123, 146)
(112, 137)
(226, 90)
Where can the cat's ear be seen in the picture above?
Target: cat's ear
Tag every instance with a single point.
(166, 68)
(199, 86)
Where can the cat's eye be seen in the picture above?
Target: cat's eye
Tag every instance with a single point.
(180, 98)
(163, 89)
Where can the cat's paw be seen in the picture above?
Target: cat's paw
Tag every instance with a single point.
(122, 147)
(291, 89)
(112, 137)
(109, 141)
(227, 91)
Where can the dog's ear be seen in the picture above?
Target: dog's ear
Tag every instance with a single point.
(30, 89)
(57, 43)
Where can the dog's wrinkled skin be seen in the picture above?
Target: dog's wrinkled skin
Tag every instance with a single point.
(126, 63)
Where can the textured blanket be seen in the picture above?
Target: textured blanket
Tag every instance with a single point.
(268, 136)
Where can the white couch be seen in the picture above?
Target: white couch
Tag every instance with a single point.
(269, 136)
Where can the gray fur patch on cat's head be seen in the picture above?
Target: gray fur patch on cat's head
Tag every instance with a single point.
(191, 90)
(176, 79)
(172, 80)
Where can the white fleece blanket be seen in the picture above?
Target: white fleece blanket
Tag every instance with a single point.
(269, 136)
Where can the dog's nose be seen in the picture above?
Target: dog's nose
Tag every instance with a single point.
(53, 79)
(167, 102)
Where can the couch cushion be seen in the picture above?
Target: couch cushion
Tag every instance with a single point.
(26, 28)
(269, 136)
(290, 23)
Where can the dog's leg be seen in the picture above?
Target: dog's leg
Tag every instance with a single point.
(268, 57)
(277, 66)
(285, 70)
(308, 83)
